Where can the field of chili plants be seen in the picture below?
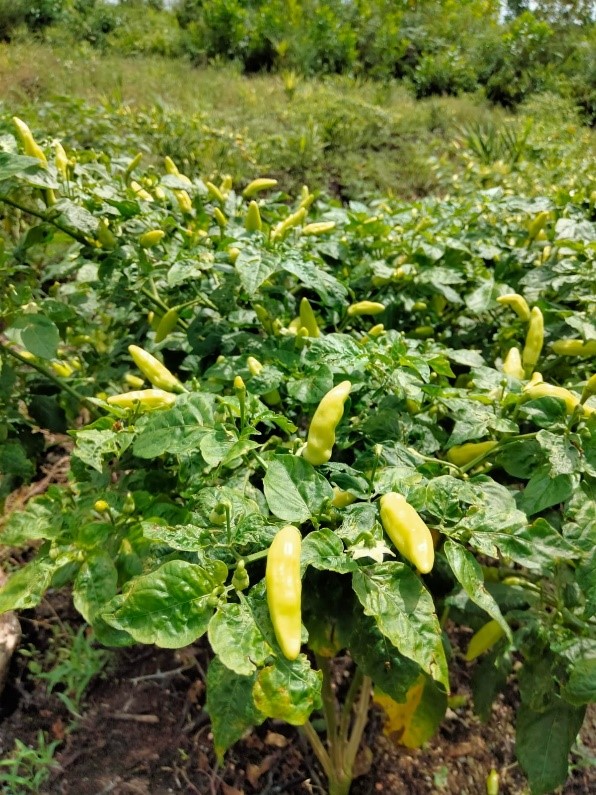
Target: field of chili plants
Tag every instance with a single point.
(307, 428)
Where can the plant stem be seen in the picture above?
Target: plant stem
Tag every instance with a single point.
(358, 728)
(318, 748)
(42, 216)
(51, 377)
(330, 710)
(346, 712)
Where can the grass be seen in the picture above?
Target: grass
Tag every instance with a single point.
(351, 138)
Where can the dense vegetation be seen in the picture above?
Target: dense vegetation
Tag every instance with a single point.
(130, 218)
(438, 46)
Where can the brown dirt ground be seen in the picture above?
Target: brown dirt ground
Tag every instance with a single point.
(144, 732)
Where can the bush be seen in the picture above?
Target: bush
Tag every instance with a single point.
(12, 14)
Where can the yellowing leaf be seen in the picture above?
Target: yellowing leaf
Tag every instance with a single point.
(413, 722)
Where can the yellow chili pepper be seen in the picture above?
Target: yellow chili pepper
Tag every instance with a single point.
(589, 389)
(157, 373)
(284, 589)
(30, 145)
(133, 164)
(258, 185)
(534, 340)
(252, 222)
(574, 348)
(462, 454)
(101, 506)
(365, 308)
(140, 191)
(308, 319)
(319, 228)
(484, 639)
(134, 381)
(60, 159)
(321, 433)
(534, 391)
(152, 238)
(518, 303)
(145, 399)
(215, 192)
(408, 531)
(220, 218)
(512, 364)
(295, 219)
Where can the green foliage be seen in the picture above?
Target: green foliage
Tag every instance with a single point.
(69, 665)
(27, 769)
(161, 506)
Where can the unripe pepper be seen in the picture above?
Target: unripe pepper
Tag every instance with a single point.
(240, 580)
(462, 454)
(408, 531)
(152, 238)
(365, 308)
(518, 303)
(574, 348)
(512, 364)
(258, 185)
(308, 319)
(157, 373)
(166, 324)
(321, 433)
(145, 399)
(252, 221)
(484, 639)
(377, 330)
(133, 164)
(537, 224)
(284, 589)
(534, 340)
(492, 783)
(341, 498)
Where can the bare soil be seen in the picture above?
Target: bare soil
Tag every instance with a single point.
(144, 731)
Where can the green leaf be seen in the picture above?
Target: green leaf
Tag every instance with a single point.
(37, 333)
(327, 286)
(95, 585)
(230, 706)
(404, 612)
(393, 673)
(581, 685)
(177, 430)
(94, 445)
(29, 170)
(323, 550)
(294, 490)
(563, 456)
(543, 742)
(544, 490)
(288, 691)
(36, 520)
(168, 607)
(468, 573)
(186, 537)
(236, 638)
(27, 586)
(254, 266)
